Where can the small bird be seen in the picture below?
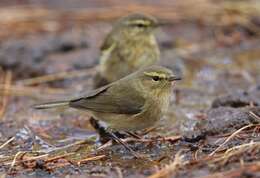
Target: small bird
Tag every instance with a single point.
(129, 46)
(132, 103)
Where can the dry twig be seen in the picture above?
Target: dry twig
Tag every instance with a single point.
(7, 142)
(94, 158)
(34, 92)
(250, 168)
(7, 83)
(252, 114)
(59, 157)
(236, 151)
(232, 136)
(170, 169)
(57, 76)
(119, 172)
(28, 159)
(15, 158)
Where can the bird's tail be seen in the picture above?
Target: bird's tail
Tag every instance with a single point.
(53, 104)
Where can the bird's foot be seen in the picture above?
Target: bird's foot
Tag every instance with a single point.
(104, 136)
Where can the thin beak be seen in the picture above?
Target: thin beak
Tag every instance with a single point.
(174, 78)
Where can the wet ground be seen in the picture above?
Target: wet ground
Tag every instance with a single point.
(212, 128)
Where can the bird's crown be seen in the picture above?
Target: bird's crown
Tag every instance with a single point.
(139, 20)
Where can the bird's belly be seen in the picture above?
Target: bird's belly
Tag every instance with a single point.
(152, 112)
(123, 61)
(123, 122)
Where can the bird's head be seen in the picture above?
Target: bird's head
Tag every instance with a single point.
(135, 24)
(155, 80)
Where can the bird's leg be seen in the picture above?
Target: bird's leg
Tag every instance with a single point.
(134, 135)
(104, 136)
(118, 140)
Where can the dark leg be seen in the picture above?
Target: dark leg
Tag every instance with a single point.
(104, 136)
(134, 135)
(118, 140)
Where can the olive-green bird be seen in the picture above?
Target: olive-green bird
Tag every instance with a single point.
(129, 46)
(132, 103)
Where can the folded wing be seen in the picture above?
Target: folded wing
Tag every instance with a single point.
(111, 99)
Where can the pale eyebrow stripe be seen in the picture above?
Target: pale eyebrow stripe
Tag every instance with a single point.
(139, 21)
(152, 74)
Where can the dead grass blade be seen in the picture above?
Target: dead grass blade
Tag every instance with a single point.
(7, 83)
(28, 159)
(236, 151)
(7, 142)
(19, 153)
(238, 172)
(57, 76)
(170, 169)
(94, 158)
(33, 92)
(119, 172)
(252, 114)
(232, 136)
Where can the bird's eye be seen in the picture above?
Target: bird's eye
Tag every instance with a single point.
(155, 78)
(140, 25)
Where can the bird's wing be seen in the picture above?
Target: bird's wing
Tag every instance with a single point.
(111, 99)
(108, 42)
(107, 49)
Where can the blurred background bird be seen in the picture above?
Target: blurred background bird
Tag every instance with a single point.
(129, 46)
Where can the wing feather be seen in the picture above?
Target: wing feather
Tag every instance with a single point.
(111, 99)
